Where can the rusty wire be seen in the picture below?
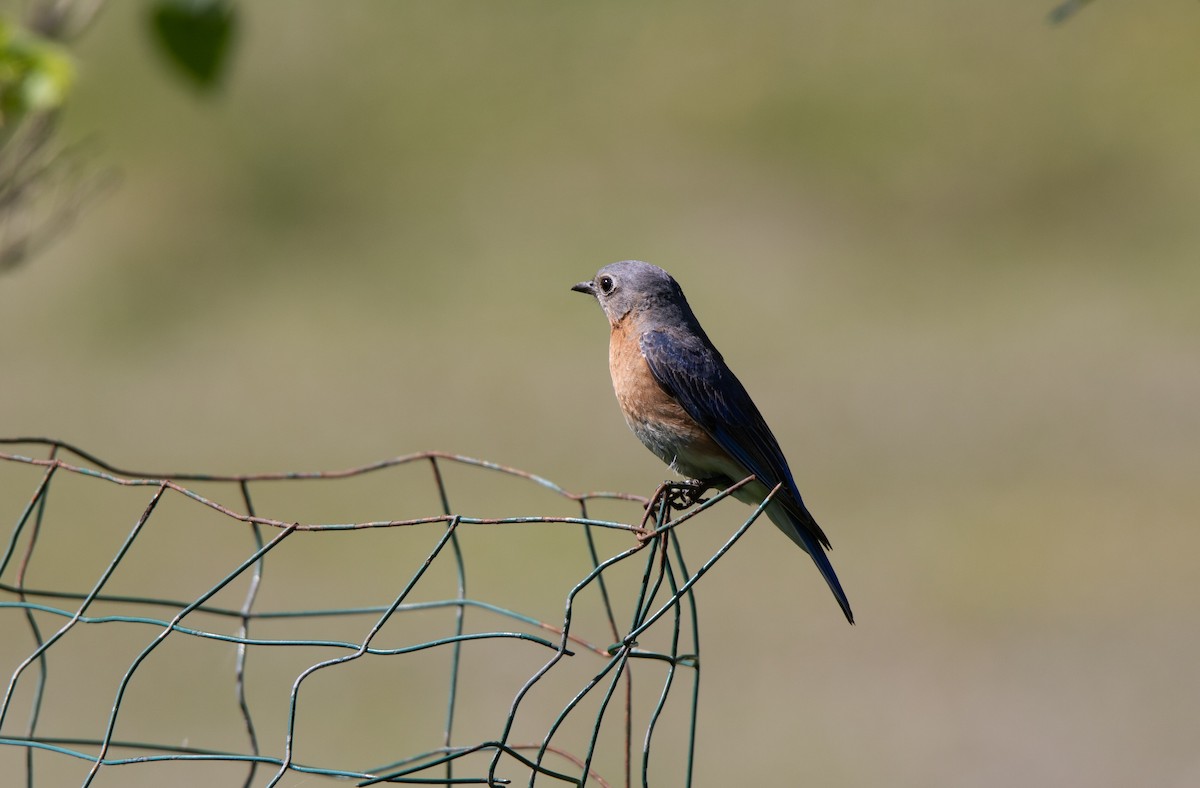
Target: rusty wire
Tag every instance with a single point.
(662, 605)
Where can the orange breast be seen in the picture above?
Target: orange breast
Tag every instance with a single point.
(655, 417)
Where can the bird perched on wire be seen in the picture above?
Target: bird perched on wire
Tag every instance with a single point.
(687, 407)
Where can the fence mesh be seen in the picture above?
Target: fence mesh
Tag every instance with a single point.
(156, 627)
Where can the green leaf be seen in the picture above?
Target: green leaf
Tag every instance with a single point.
(195, 35)
(1065, 10)
(35, 74)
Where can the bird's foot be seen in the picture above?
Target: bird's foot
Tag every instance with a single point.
(688, 493)
(678, 496)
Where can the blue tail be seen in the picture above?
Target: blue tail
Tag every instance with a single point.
(800, 535)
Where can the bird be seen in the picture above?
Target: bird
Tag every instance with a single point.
(686, 406)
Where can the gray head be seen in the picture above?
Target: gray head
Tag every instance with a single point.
(634, 286)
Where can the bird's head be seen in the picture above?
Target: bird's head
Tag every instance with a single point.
(632, 286)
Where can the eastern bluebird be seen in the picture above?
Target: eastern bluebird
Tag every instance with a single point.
(687, 407)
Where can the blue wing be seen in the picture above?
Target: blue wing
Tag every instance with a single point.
(692, 371)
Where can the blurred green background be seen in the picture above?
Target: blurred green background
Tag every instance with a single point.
(951, 250)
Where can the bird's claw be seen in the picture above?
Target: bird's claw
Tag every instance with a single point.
(678, 496)
(685, 494)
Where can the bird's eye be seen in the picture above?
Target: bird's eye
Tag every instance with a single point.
(606, 284)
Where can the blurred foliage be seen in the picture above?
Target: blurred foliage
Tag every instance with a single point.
(44, 184)
(1067, 9)
(35, 74)
(195, 35)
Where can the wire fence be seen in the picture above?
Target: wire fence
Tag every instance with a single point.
(112, 680)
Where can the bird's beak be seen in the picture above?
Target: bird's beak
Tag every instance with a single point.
(585, 287)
